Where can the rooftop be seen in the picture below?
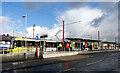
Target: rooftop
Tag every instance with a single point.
(86, 40)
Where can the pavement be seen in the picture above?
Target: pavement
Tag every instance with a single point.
(49, 59)
(101, 62)
(31, 55)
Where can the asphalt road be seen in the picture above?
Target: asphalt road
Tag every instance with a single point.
(102, 62)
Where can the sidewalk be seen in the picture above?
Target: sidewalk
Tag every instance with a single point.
(31, 55)
(69, 53)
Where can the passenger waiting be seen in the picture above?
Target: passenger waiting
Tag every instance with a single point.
(70, 47)
(60, 47)
(67, 47)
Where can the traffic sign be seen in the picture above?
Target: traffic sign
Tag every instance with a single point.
(36, 37)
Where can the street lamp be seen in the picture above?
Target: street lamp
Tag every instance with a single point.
(25, 16)
(63, 31)
(57, 34)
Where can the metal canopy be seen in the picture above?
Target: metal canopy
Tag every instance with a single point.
(83, 40)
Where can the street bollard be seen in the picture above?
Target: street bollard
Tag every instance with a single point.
(25, 55)
(41, 54)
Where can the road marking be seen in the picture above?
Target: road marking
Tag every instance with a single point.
(15, 63)
(94, 62)
(65, 70)
(113, 54)
(69, 69)
(21, 62)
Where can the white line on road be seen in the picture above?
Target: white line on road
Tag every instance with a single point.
(94, 62)
(113, 54)
(15, 63)
(66, 70)
(69, 69)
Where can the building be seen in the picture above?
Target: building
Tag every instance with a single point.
(4, 42)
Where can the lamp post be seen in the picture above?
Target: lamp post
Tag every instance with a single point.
(115, 42)
(63, 31)
(98, 38)
(33, 30)
(57, 34)
(25, 16)
(14, 32)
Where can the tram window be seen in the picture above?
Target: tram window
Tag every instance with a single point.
(77, 45)
(14, 44)
(17, 44)
(51, 44)
(23, 43)
(30, 43)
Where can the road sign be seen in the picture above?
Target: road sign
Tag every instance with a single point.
(36, 37)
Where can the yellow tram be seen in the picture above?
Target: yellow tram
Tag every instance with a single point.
(19, 45)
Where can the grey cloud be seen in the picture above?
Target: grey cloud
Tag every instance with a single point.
(31, 6)
(109, 7)
(74, 5)
(96, 22)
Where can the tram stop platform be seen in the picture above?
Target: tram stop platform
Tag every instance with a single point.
(31, 55)
(14, 61)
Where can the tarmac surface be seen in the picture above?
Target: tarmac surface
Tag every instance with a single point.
(91, 63)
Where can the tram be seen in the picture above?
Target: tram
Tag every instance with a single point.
(23, 44)
(19, 45)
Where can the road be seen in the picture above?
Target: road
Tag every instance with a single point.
(105, 62)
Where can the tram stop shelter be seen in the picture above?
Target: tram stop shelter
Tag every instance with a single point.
(109, 45)
(82, 44)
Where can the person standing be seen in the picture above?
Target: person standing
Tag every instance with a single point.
(67, 46)
(70, 47)
(60, 47)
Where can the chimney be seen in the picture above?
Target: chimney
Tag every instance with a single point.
(3, 34)
(7, 34)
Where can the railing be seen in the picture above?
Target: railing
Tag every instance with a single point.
(17, 50)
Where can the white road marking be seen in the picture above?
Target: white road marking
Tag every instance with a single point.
(94, 62)
(15, 63)
(113, 54)
(21, 62)
(69, 69)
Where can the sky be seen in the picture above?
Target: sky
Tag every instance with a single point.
(87, 19)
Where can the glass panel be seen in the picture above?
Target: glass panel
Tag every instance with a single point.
(51, 44)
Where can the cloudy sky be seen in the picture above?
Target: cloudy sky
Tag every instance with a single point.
(82, 19)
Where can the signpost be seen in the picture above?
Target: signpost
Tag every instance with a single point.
(37, 46)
